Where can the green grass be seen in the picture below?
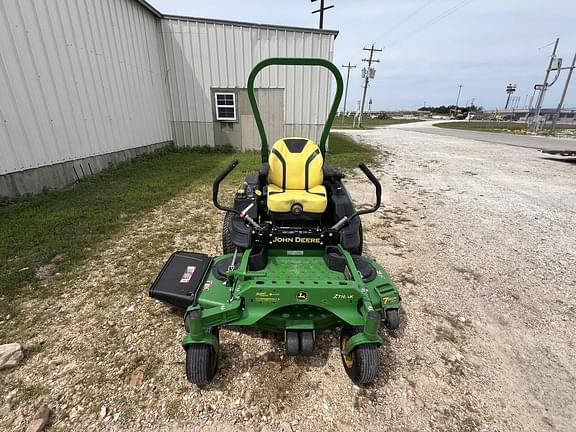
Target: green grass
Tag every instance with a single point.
(485, 126)
(368, 123)
(65, 224)
(495, 126)
(62, 227)
(345, 153)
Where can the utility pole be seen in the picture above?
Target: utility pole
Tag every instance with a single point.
(367, 76)
(559, 109)
(540, 99)
(348, 66)
(510, 89)
(321, 11)
(458, 100)
(530, 105)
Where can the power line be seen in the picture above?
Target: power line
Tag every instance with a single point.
(408, 17)
(432, 21)
(546, 46)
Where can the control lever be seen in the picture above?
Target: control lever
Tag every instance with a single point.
(346, 219)
(216, 187)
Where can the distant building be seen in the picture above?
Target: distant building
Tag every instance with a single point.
(86, 84)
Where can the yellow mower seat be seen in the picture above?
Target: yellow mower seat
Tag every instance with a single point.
(296, 176)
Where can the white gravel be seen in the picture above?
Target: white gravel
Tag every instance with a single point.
(491, 239)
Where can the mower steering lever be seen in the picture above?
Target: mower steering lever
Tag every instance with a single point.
(216, 187)
(376, 184)
(346, 219)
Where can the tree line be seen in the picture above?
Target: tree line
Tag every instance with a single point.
(443, 109)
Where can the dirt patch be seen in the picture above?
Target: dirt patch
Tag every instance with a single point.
(486, 341)
(46, 271)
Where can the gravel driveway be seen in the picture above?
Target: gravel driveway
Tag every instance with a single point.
(480, 239)
(490, 242)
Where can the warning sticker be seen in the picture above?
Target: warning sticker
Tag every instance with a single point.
(188, 274)
(267, 297)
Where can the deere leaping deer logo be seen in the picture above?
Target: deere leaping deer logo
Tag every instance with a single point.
(302, 295)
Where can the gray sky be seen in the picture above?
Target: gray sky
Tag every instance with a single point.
(430, 46)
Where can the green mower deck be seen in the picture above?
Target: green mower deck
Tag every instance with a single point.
(292, 293)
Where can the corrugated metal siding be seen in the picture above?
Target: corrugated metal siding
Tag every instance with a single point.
(205, 55)
(79, 78)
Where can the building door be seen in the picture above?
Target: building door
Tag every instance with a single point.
(271, 104)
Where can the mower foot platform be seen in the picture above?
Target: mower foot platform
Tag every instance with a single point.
(180, 279)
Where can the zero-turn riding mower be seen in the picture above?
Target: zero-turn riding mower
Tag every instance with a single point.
(292, 258)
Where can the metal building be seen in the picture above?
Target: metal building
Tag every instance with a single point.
(86, 84)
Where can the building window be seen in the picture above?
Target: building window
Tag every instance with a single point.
(225, 106)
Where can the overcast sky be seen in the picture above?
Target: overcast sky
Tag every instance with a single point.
(430, 46)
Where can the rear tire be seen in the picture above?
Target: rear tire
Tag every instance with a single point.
(201, 363)
(227, 245)
(361, 364)
(358, 250)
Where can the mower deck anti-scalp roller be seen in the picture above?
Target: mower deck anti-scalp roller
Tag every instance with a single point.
(292, 259)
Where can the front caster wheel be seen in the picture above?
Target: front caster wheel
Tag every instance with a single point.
(201, 363)
(306, 343)
(292, 343)
(361, 364)
(392, 319)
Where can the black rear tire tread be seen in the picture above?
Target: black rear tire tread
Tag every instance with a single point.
(227, 245)
(358, 250)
